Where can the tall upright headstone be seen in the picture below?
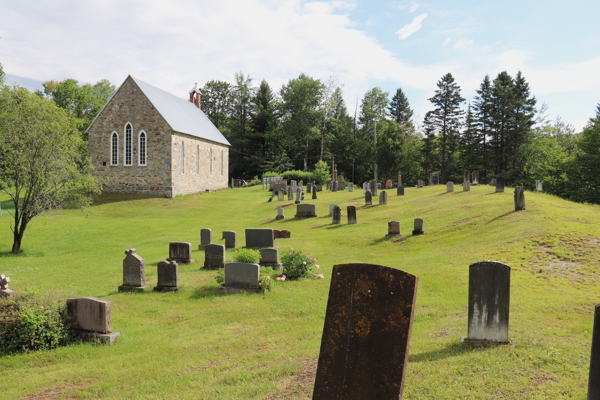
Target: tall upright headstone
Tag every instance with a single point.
(350, 187)
(309, 186)
(519, 198)
(365, 187)
(214, 256)
(594, 376)
(400, 182)
(280, 195)
(499, 184)
(330, 210)
(337, 215)
(466, 176)
(351, 215)
(133, 272)
(290, 193)
(466, 186)
(334, 186)
(298, 195)
(489, 300)
(418, 227)
(430, 179)
(539, 186)
(374, 187)
(435, 178)
(368, 198)
(366, 334)
(475, 178)
(314, 192)
(229, 237)
(168, 277)
(205, 238)
(341, 185)
(383, 198)
(450, 186)
(400, 191)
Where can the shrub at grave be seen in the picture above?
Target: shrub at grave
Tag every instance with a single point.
(270, 174)
(297, 265)
(296, 175)
(246, 256)
(33, 322)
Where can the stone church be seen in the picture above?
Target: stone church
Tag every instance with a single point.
(146, 140)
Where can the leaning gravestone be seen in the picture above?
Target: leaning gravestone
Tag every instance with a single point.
(499, 184)
(393, 229)
(205, 238)
(4, 290)
(519, 198)
(280, 213)
(475, 176)
(269, 257)
(418, 228)
(351, 215)
(92, 319)
(337, 215)
(400, 191)
(280, 195)
(330, 210)
(383, 198)
(181, 252)
(368, 198)
(241, 276)
(229, 237)
(258, 238)
(133, 273)
(450, 186)
(290, 193)
(539, 186)
(594, 375)
(489, 299)
(214, 256)
(168, 277)
(366, 334)
(306, 211)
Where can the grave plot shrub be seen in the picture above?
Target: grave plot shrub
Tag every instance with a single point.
(297, 265)
(33, 322)
(246, 256)
(297, 175)
(270, 174)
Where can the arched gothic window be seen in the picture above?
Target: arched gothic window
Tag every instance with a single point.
(142, 148)
(128, 145)
(114, 149)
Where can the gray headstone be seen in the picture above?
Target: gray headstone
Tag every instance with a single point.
(400, 191)
(489, 300)
(280, 195)
(180, 252)
(133, 269)
(374, 187)
(341, 186)
(493, 182)
(168, 276)
(418, 230)
(466, 176)
(539, 186)
(475, 177)
(351, 215)
(350, 187)
(330, 210)
(309, 186)
(450, 186)
(229, 237)
(393, 229)
(420, 183)
(594, 375)
(334, 186)
(90, 314)
(368, 198)
(306, 211)
(499, 184)
(242, 275)
(430, 179)
(277, 186)
(298, 195)
(290, 193)
(337, 215)
(383, 198)
(519, 198)
(269, 257)
(205, 238)
(365, 187)
(280, 213)
(214, 256)
(466, 186)
(435, 178)
(400, 182)
(257, 238)
(319, 188)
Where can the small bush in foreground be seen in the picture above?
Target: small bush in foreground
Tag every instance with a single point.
(297, 265)
(246, 256)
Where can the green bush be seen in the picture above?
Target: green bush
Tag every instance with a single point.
(322, 173)
(297, 175)
(32, 322)
(270, 174)
(246, 256)
(296, 265)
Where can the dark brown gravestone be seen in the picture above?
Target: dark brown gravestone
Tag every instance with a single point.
(594, 378)
(283, 234)
(364, 348)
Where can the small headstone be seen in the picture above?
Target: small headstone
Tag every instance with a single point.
(281, 234)
(493, 182)
(368, 198)
(277, 186)
(393, 229)
(205, 238)
(519, 198)
(400, 182)
(365, 187)
(214, 256)
(374, 187)
(258, 238)
(290, 192)
(499, 184)
(400, 191)
(351, 215)
(466, 176)
(269, 257)
(309, 186)
(280, 195)
(4, 290)
(435, 178)
(294, 183)
(168, 277)
(539, 186)
(379, 186)
(420, 183)
(466, 186)
(301, 185)
(306, 211)
(181, 252)
(430, 179)
(341, 186)
(90, 314)
(319, 188)
(330, 210)
(383, 198)
(367, 330)
(594, 375)
(475, 178)
(337, 215)
(229, 237)
(489, 299)
(350, 187)
(241, 276)
(388, 184)
(418, 230)
(450, 186)
(334, 186)
(280, 213)
(133, 272)
(314, 192)
(298, 196)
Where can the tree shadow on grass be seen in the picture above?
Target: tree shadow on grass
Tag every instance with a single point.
(108, 198)
(336, 226)
(204, 292)
(393, 239)
(441, 194)
(22, 253)
(452, 350)
(499, 217)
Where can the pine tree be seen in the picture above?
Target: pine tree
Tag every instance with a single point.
(502, 102)
(400, 109)
(524, 119)
(470, 145)
(482, 110)
(593, 120)
(429, 148)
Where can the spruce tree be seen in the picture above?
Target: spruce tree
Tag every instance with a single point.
(470, 145)
(523, 120)
(400, 109)
(482, 110)
(502, 101)
(429, 148)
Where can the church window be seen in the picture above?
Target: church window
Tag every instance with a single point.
(128, 149)
(114, 149)
(142, 148)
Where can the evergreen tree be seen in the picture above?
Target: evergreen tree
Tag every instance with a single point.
(521, 132)
(429, 148)
(592, 121)
(470, 145)
(400, 109)
(216, 101)
(482, 109)
(263, 120)
(502, 101)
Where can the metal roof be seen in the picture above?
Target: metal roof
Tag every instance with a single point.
(181, 115)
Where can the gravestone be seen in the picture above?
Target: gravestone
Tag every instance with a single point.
(309, 186)
(365, 187)
(319, 188)
(489, 300)
(400, 182)
(269, 257)
(294, 183)
(368, 198)
(420, 183)
(258, 238)
(350, 187)
(214, 256)
(393, 229)
(466, 176)
(281, 234)
(280, 195)
(351, 215)
(519, 198)
(277, 186)
(280, 213)
(334, 186)
(4, 290)
(341, 186)
(92, 319)
(298, 196)
(430, 179)
(418, 229)
(181, 252)
(314, 192)
(301, 185)
(539, 186)
(499, 184)
(475, 177)
(330, 210)
(379, 186)
(435, 178)
(241, 276)
(388, 184)
(290, 193)
(374, 187)
(205, 238)
(366, 334)
(337, 215)
(594, 374)
(306, 211)
(400, 191)
(133, 273)
(466, 186)
(168, 277)
(450, 186)
(229, 237)
(383, 198)
(493, 182)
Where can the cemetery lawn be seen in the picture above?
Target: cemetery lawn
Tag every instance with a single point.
(201, 344)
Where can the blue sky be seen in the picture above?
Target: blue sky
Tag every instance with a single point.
(391, 44)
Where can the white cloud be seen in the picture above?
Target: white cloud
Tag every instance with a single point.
(447, 42)
(464, 44)
(413, 7)
(343, 5)
(411, 28)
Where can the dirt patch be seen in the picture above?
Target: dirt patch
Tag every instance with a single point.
(442, 334)
(299, 385)
(61, 392)
(462, 221)
(541, 379)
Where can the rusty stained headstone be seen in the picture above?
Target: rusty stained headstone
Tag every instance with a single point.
(364, 347)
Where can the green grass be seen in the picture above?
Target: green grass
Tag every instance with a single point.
(200, 344)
